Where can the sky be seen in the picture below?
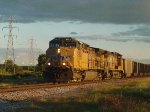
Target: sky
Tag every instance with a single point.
(115, 25)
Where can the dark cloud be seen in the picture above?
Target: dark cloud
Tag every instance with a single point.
(92, 11)
(73, 33)
(140, 31)
(140, 34)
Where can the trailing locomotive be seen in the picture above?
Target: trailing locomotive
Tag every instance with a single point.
(71, 60)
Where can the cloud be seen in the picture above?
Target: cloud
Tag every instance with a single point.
(140, 31)
(140, 34)
(143, 39)
(73, 33)
(123, 38)
(95, 11)
(106, 38)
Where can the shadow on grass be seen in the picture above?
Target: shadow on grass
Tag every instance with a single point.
(111, 101)
(62, 107)
(136, 93)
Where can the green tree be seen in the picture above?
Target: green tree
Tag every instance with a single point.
(41, 61)
(9, 66)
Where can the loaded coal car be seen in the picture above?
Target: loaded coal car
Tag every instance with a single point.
(138, 69)
(135, 69)
(147, 70)
(71, 60)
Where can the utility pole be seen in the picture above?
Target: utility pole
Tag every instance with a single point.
(10, 44)
(31, 53)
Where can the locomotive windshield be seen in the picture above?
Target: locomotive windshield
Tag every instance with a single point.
(64, 42)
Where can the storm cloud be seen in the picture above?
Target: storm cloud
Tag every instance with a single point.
(89, 11)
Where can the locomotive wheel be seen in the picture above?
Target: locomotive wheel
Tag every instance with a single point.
(123, 75)
(111, 74)
(103, 77)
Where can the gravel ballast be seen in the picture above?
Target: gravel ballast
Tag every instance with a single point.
(10, 101)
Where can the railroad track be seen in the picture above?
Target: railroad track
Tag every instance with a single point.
(43, 85)
(37, 86)
(51, 85)
(27, 87)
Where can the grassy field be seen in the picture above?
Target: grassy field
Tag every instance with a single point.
(133, 96)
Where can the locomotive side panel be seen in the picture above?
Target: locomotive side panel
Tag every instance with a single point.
(99, 59)
(92, 75)
(119, 62)
(91, 59)
(112, 61)
(80, 58)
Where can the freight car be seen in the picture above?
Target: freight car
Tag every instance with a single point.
(71, 60)
(133, 69)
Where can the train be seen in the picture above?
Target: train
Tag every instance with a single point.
(68, 59)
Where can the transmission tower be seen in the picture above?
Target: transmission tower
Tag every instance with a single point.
(10, 44)
(31, 52)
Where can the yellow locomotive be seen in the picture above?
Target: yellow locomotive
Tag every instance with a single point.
(71, 60)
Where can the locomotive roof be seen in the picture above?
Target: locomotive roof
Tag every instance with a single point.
(69, 39)
(104, 51)
(57, 39)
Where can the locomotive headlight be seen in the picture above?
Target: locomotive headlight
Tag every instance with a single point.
(64, 64)
(58, 50)
(49, 64)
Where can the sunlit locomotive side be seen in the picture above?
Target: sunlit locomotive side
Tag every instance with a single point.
(104, 64)
(71, 60)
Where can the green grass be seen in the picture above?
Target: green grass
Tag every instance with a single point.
(131, 97)
(17, 79)
(2, 72)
